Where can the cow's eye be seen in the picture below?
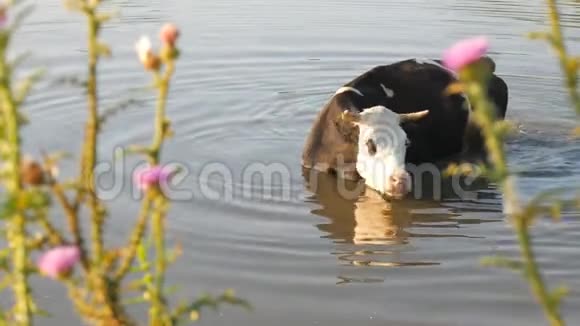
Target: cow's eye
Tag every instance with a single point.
(371, 147)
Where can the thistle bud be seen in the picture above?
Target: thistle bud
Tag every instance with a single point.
(32, 173)
(152, 63)
(169, 34)
(145, 54)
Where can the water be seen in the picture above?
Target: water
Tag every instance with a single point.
(252, 76)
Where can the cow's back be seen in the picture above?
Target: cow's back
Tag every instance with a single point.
(404, 87)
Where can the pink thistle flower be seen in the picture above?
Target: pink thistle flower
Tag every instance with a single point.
(58, 261)
(465, 52)
(151, 176)
(169, 34)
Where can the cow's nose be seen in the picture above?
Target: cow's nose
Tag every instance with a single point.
(400, 184)
(400, 178)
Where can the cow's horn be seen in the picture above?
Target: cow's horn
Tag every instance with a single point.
(413, 116)
(350, 116)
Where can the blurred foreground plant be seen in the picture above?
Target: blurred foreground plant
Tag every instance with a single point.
(569, 64)
(464, 57)
(99, 290)
(19, 198)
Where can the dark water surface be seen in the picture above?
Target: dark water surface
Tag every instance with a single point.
(252, 76)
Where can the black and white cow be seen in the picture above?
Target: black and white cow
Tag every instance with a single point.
(392, 115)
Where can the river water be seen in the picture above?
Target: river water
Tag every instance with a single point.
(250, 80)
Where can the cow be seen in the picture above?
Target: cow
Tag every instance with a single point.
(394, 115)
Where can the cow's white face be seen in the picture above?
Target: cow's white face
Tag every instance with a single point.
(382, 145)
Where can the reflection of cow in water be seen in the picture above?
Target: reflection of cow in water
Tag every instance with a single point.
(361, 217)
(392, 115)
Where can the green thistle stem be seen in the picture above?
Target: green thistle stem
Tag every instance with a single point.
(73, 222)
(159, 314)
(92, 130)
(532, 273)
(17, 223)
(161, 125)
(134, 240)
(486, 119)
(557, 42)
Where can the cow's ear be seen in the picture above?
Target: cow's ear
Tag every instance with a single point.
(350, 116)
(347, 125)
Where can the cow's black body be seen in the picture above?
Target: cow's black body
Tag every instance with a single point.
(445, 132)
